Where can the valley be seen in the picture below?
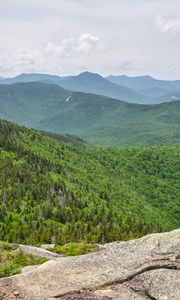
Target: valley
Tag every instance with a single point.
(97, 119)
(52, 191)
(89, 150)
(140, 89)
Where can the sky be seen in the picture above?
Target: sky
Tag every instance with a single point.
(132, 37)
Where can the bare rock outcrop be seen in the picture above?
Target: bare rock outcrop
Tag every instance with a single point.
(146, 268)
(39, 252)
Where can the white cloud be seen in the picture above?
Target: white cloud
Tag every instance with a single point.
(22, 59)
(51, 57)
(167, 24)
(27, 57)
(73, 47)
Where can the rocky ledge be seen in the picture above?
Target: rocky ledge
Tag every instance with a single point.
(146, 268)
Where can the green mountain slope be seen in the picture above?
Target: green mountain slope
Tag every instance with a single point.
(140, 89)
(86, 82)
(52, 191)
(109, 122)
(97, 119)
(28, 103)
(94, 83)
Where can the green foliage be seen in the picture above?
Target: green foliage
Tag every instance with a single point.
(12, 259)
(7, 246)
(8, 270)
(55, 192)
(67, 138)
(97, 119)
(73, 249)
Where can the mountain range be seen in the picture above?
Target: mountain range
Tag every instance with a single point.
(158, 90)
(142, 89)
(98, 119)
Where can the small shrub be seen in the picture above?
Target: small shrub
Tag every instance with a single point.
(74, 249)
(7, 246)
(11, 261)
(9, 269)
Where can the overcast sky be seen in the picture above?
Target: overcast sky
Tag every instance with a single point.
(133, 37)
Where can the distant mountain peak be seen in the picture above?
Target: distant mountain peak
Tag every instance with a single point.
(89, 74)
(35, 76)
(145, 76)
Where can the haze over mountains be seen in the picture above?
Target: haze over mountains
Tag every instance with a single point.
(142, 89)
(98, 119)
(89, 155)
(149, 86)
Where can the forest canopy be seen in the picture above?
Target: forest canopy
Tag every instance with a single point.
(53, 191)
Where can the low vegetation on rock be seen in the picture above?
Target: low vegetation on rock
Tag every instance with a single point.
(12, 259)
(73, 249)
(141, 269)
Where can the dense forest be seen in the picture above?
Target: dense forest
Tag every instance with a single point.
(53, 191)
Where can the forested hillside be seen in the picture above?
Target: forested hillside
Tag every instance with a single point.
(86, 82)
(97, 119)
(50, 190)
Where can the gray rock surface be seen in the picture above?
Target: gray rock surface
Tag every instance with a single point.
(47, 246)
(39, 252)
(160, 284)
(29, 269)
(146, 268)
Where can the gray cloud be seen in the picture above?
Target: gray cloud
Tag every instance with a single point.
(67, 36)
